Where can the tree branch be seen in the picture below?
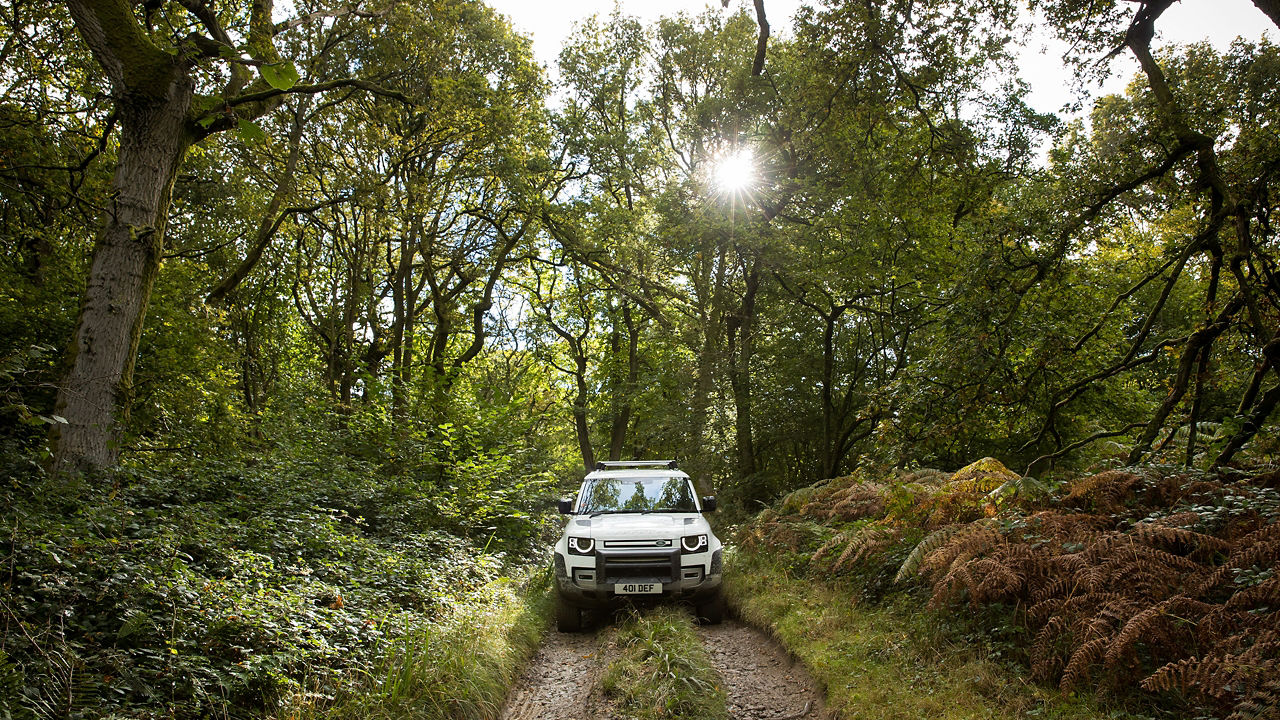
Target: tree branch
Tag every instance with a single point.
(337, 12)
(1081, 443)
(757, 65)
(319, 88)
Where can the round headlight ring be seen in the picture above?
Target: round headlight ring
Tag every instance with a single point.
(693, 543)
(581, 545)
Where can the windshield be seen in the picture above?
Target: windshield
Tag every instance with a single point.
(637, 494)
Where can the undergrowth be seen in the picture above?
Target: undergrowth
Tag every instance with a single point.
(662, 669)
(890, 659)
(1143, 584)
(283, 582)
(459, 668)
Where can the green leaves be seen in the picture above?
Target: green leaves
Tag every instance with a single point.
(281, 75)
(250, 132)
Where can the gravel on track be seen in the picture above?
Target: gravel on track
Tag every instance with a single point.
(762, 680)
(559, 681)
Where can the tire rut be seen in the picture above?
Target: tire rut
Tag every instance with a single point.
(762, 681)
(559, 681)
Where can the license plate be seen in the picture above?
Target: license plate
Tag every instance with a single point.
(637, 589)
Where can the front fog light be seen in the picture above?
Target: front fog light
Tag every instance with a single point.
(581, 545)
(693, 543)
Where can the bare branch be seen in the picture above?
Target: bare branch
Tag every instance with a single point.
(1081, 443)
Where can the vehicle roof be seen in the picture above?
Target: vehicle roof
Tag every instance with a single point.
(635, 473)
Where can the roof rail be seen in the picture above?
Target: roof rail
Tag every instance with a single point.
(613, 464)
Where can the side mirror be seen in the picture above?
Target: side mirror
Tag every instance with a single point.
(566, 506)
(709, 503)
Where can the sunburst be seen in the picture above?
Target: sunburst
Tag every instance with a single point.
(735, 174)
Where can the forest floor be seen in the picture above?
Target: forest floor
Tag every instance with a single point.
(762, 682)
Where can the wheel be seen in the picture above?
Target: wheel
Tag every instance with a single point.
(568, 617)
(711, 610)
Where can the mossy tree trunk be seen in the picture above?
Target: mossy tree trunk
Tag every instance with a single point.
(154, 91)
(152, 78)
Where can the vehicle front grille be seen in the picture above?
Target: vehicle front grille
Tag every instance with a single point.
(616, 566)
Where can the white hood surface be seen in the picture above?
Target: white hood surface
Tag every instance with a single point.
(635, 526)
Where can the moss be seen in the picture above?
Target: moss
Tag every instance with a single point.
(796, 500)
(984, 475)
(110, 27)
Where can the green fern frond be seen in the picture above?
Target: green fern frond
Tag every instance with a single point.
(931, 542)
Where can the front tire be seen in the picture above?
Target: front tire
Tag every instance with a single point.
(568, 617)
(711, 610)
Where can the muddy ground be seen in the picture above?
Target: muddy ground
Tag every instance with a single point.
(761, 680)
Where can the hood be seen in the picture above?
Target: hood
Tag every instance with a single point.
(628, 526)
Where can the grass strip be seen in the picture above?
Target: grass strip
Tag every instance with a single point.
(662, 669)
(460, 668)
(888, 661)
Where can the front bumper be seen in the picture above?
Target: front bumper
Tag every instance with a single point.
(683, 577)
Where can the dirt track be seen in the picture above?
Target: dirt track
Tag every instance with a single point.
(559, 682)
(762, 682)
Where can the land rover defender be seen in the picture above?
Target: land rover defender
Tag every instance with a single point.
(636, 532)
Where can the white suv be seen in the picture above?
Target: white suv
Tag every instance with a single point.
(636, 532)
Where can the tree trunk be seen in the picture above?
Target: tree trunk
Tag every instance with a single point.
(401, 330)
(624, 403)
(1251, 426)
(580, 424)
(1271, 8)
(711, 312)
(832, 439)
(95, 393)
(741, 349)
(1199, 340)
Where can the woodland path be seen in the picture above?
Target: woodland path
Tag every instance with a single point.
(762, 681)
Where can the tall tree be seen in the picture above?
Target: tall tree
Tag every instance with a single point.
(154, 80)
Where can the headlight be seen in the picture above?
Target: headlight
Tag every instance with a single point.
(581, 546)
(694, 543)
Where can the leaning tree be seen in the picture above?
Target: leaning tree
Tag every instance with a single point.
(179, 72)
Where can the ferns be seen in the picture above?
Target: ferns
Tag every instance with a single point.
(1137, 577)
(1137, 600)
(864, 542)
(1174, 537)
(1082, 660)
(931, 542)
(1102, 491)
(1262, 702)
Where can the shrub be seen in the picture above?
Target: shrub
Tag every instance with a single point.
(221, 586)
